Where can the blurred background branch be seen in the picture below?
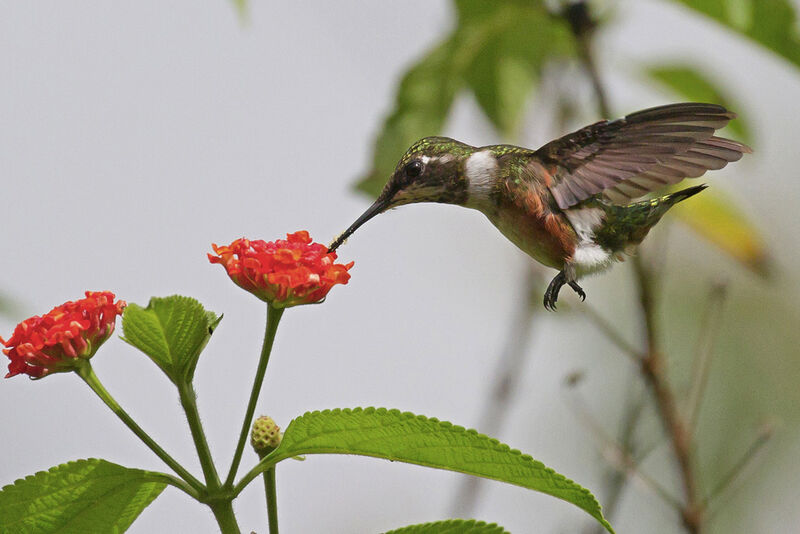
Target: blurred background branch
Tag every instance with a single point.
(493, 54)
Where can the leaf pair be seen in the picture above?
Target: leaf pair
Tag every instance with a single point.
(172, 331)
(98, 496)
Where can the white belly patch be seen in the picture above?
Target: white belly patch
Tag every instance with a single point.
(589, 257)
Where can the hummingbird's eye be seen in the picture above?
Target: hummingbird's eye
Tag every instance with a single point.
(414, 169)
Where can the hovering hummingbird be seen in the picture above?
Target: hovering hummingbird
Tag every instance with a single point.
(569, 204)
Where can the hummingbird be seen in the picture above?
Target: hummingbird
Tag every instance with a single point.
(573, 203)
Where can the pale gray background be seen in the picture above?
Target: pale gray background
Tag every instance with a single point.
(133, 134)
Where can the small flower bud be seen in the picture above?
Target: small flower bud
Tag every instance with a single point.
(266, 435)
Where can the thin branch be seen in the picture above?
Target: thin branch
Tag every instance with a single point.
(709, 329)
(657, 246)
(272, 499)
(583, 26)
(653, 365)
(189, 402)
(725, 484)
(653, 369)
(616, 480)
(617, 455)
(86, 372)
(273, 319)
(607, 329)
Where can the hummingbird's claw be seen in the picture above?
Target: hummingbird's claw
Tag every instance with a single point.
(578, 289)
(551, 294)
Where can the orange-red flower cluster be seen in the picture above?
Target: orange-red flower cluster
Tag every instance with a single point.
(284, 272)
(67, 334)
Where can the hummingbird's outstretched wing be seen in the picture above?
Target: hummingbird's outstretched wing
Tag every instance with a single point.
(630, 157)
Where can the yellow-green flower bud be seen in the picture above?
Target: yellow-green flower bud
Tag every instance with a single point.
(266, 435)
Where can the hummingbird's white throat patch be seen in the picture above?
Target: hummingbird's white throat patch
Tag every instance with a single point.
(481, 170)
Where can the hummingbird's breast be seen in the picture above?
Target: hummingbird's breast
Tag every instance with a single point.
(523, 214)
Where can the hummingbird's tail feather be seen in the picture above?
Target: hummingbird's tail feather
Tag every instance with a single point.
(627, 226)
(683, 194)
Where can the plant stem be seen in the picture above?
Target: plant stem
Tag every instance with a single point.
(273, 319)
(178, 483)
(580, 20)
(223, 513)
(709, 329)
(618, 456)
(652, 367)
(616, 479)
(675, 427)
(189, 402)
(87, 374)
(272, 499)
(761, 439)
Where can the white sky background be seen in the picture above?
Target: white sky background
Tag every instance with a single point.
(133, 134)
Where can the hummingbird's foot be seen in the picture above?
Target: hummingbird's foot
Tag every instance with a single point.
(551, 294)
(578, 289)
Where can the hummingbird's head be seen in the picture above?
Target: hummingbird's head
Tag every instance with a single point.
(430, 171)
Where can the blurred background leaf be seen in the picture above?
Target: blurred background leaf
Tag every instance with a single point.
(494, 52)
(241, 8)
(717, 218)
(423, 102)
(510, 64)
(771, 23)
(688, 83)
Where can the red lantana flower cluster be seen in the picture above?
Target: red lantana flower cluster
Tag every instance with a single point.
(67, 334)
(283, 272)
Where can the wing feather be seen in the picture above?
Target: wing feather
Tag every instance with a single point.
(627, 158)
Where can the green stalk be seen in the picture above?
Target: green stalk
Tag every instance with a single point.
(189, 403)
(259, 468)
(223, 512)
(273, 319)
(86, 372)
(272, 499)
(177, 482)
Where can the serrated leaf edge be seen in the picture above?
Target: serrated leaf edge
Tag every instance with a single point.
(472, 523)
(149, 476)
(277, 455)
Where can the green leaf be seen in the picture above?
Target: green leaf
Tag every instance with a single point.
(9, 307)
(83, 496)
(716, 218)
(501, 83)
(241, 9)
(510, 63)
(422, 103)
(172, 331)
(688, 83)
(495, 51)
(405, 437)
(452, 526)
(771, 23)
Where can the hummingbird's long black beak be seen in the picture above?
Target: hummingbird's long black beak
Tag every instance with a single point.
(377, 207)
